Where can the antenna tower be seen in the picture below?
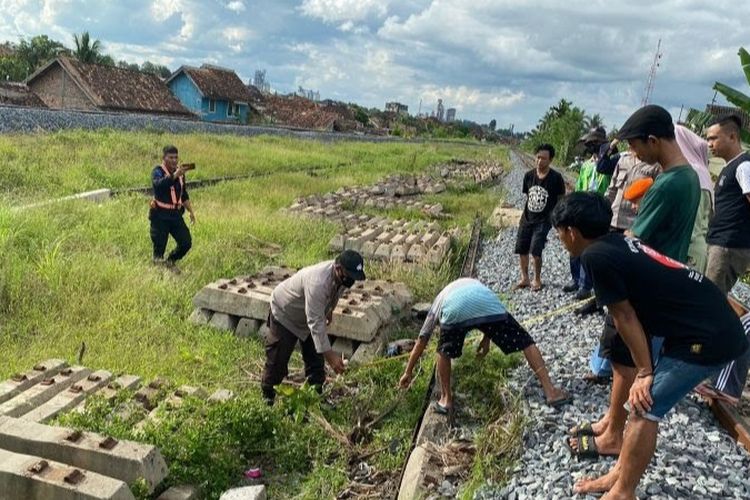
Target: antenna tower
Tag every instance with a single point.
(652, 75)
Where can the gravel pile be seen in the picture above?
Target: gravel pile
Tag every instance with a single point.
(695, 457)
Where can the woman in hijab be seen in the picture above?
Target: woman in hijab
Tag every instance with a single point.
(695, 150)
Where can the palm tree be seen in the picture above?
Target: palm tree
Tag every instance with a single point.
(86, 50)
(593, 121)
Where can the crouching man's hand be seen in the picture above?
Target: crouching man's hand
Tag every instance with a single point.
(405, 380)
(483, 348)
(335, 361)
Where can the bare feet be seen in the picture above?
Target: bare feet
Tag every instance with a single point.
(619, 495)
(524, 283)
(597, 428)
(557, 397)
(536, 285)
(596, 485)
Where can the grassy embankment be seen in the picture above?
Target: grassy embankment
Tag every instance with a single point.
(78, 272)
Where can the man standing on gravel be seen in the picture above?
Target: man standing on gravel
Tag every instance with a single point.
(167, 207)
(648, 294)
(301, 308)
(542, 186)
(465, 305)
(665, 223)
(729, 233)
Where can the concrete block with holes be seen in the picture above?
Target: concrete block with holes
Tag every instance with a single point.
(123, 460)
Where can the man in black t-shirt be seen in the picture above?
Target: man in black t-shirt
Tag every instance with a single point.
(648, 294)
(542, 187)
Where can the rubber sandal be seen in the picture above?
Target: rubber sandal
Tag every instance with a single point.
(592, 378)
(440, 409)
(582, 429)
(557, 403)
(519, 286)
(586, 448)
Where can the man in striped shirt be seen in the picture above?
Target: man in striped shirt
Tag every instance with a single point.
(464, 305)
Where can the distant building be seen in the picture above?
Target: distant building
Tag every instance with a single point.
(397, 107)
(66, 83)
(214, 93)
(440, 114)
(450, 115)
(313, 95)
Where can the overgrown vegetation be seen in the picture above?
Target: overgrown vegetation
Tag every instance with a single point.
(77, 272)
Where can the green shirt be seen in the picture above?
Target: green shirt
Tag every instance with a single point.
(667, 212)
(591, 180)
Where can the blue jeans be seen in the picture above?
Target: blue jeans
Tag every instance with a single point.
(578, 273)
(602, 367)
(673, 380)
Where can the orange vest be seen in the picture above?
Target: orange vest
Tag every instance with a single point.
(176, 202)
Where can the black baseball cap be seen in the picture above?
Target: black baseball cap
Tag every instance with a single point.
(649, 120)
(353, 264)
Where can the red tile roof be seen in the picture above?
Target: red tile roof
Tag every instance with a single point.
(119, 89)
(214, 82)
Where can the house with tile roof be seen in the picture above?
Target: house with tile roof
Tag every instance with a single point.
(66, 83)
(214, 93)
(18, 94)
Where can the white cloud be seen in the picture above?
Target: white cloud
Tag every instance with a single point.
(236, 36)
(164, 9)
(340, 11)
(236, 6)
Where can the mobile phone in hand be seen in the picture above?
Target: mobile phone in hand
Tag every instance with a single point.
(188, 166)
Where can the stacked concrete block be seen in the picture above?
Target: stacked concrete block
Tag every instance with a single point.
(44, 461)
(395, 241)
(363, 311)
(124, 460)
(481, 172)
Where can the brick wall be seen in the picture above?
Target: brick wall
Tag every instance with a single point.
(59, 91)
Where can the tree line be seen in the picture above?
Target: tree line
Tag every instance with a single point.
(19, 60)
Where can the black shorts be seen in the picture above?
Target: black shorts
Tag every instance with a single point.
(613, 348)
(531, 238)
(507, 334)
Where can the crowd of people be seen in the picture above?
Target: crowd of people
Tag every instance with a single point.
(656, 243)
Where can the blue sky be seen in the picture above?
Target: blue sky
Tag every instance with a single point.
(503, 59)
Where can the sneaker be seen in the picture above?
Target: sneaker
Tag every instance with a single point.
(570, 287)
(583, 294)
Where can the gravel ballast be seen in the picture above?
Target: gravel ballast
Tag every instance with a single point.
(695, 457)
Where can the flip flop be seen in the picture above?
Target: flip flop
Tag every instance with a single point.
(562, 401)
(518, 286)
(586, 448)
(582, 429)
(440, 409)
(536, 288)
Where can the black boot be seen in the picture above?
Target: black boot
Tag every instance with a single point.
(570, 287)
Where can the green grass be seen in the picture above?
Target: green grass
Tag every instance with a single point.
(78, 272)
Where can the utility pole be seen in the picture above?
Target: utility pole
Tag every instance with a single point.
(420, 108)
(652, 75)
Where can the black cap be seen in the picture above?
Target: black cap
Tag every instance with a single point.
(597, 135)
(649, 120)
(353, 263)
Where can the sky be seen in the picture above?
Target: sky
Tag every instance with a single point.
(508, 60)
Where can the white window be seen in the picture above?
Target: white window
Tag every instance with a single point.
(211, 106)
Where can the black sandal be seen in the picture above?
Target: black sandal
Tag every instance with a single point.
(586, 448)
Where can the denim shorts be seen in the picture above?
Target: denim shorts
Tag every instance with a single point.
(673, 380)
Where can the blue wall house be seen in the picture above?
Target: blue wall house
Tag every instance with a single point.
(215, 94)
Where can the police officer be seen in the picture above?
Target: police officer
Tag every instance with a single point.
(169, 203)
